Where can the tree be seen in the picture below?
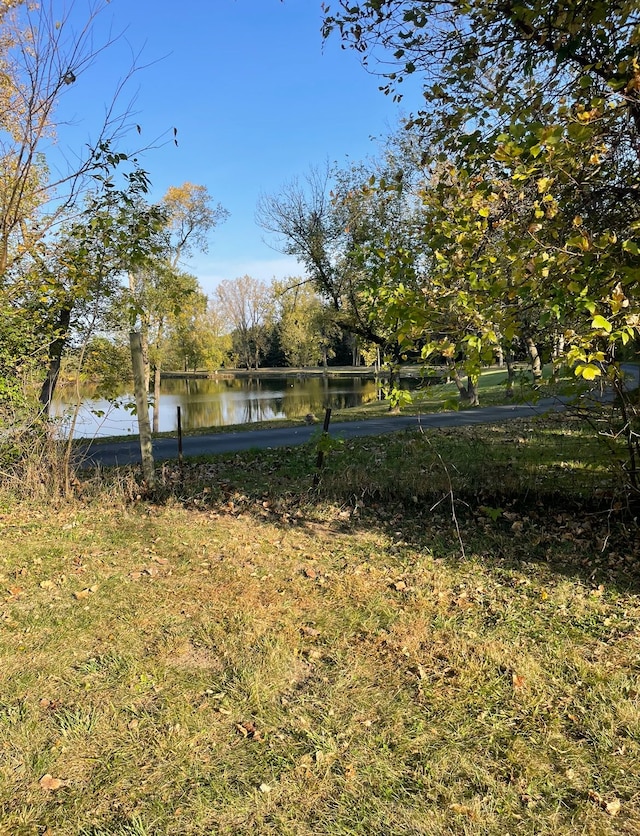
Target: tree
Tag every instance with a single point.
(246, 305)
(306, 329)
(544, 96)
(338, 227)
(535, 109)
(192, 215)
(42, 55)
(196, 338)
(159, 288)
(115, 232)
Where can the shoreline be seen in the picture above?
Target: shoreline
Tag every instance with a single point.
(411, 372)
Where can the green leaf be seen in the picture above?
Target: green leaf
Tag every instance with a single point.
(602, 323)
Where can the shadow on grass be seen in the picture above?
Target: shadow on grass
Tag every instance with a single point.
(539, 493)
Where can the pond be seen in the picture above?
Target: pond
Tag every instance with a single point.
(217, 403)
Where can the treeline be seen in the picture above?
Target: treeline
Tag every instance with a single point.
(246, 323)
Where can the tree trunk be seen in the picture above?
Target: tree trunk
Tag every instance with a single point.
(56, 349)
(144, 344)
(534, 359)
(469, 393)
(511, 374)
(142, 406)
(156, 398)
(558, 345)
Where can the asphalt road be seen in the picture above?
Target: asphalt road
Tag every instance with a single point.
(125, 452)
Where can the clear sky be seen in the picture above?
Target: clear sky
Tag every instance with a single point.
(256, 96)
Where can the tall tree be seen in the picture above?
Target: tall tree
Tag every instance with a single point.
(336, 226)
(544, 95)
(159, 288)
(115, 232)
(247, 306)
(535, 108)
(46, 50)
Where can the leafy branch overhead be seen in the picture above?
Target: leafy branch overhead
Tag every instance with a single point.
(530, 135)
(528, 141)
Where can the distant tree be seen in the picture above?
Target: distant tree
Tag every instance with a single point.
(304, 327)
(246, 305)
(196, 338)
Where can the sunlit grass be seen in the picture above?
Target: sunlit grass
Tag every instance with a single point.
(439, 638)
(262, 669)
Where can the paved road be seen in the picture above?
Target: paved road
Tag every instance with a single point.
(127, 452)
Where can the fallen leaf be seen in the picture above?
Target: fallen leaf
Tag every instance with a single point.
(47, 585)
(463, 810)
(249, 730)
(310, 572)
(613, 807)
(399, 586)
(518, 681)
(15, 591)
(152, 571)
(265, 788)
(51, 705)
(48, 782)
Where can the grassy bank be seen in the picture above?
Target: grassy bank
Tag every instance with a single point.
(442, 638)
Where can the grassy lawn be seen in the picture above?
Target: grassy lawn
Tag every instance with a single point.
(442, 638)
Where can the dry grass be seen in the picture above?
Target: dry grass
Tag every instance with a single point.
(247, 655)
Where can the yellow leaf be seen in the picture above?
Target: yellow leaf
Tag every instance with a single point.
(601, 323)
(588, 371)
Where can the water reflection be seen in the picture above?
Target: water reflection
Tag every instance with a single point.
(217, 403)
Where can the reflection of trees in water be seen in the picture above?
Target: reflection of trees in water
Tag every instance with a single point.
(217, 403)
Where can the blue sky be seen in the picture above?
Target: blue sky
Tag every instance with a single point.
(256, 97)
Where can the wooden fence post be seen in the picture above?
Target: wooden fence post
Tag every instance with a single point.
(320, 459)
